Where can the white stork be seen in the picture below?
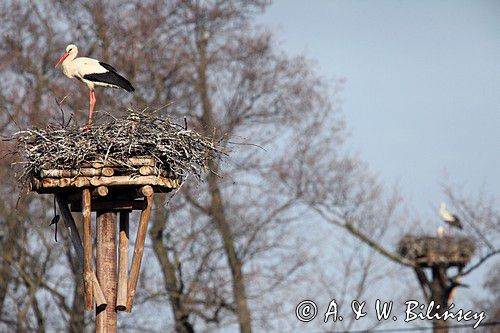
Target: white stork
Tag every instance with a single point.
(451, 219)
(440, 232)
(93, 73)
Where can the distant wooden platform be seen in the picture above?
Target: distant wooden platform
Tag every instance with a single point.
(429, 251)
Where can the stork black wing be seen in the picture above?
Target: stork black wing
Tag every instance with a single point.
(108, 67)
(111, 77)
(457, 223)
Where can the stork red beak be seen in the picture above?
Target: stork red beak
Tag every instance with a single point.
(62, 59)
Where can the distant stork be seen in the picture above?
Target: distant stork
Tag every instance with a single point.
(451, 219)
(440, 232)
(93, 73)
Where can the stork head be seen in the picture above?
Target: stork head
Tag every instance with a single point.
(71, 51)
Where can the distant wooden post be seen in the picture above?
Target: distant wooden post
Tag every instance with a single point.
(436, 255)
(106, 319)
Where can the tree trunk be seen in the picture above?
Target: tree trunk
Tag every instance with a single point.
(217, 205)
(181, 314)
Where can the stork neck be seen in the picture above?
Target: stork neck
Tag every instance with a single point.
(67, 65)
(69, 58)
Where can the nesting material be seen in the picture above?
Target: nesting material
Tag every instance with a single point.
(67, 152)
(429, 251)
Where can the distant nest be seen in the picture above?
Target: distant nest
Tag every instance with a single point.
(115, 141)
(429, 251)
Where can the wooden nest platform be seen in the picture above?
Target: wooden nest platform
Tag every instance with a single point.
(429, 251)
(113, 168)
(112, 148)
(106, 181)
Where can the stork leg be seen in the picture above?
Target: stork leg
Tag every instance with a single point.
(92, 104)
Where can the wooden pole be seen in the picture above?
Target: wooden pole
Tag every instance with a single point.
(440, 295)
(138, 251)
(106, 320)
(88, 266)
(121, 302)
(70, 225)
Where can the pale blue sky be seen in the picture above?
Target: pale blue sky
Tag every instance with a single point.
(422, 96)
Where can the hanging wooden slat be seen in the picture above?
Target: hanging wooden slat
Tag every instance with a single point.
(138, 251)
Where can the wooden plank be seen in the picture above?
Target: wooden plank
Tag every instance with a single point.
(138, 252)
(106, 320)
(87, 251)
(121, 300)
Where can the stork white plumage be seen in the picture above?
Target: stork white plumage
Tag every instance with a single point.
(93, 73)
(440, 232)
(451, 219)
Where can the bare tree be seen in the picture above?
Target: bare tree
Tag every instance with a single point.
(230, 249)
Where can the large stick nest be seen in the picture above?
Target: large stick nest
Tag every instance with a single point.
(115, 140)
(430, 250)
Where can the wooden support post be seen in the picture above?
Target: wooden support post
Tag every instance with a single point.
(138, 251)
(121, 302)
(88, 266)
(70, 225)
(106, 320)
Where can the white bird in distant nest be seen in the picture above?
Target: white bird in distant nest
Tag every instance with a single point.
(451, 219)
(440, 232)
(93, 73)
